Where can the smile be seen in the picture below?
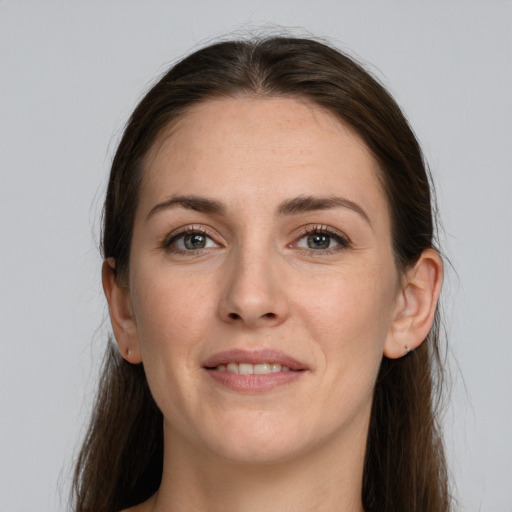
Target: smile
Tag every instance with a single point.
(253, 371)
(249, 369)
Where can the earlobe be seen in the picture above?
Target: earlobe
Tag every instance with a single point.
(121, 313)
(416, 305)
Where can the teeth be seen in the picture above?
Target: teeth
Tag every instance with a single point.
(248, 369)
(245, 369)
(262, 368)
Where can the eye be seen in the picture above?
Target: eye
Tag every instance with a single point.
(189, 240)
(322, 238)
(318, 241)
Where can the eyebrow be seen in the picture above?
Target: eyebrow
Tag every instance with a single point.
(304, 204)
(300, 204)
(197, 203)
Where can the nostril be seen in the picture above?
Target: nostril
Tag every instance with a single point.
(236, 316)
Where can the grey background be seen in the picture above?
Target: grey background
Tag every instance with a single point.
(70, 73)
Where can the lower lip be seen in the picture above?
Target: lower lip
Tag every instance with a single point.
(254, 383)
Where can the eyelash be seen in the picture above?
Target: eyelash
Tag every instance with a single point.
(341, 239)
(175, 236)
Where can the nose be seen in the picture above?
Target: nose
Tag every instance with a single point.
(254, 292)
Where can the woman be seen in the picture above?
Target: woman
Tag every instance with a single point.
(272, 282)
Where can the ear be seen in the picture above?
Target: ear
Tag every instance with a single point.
(121, 313)
(416, 305)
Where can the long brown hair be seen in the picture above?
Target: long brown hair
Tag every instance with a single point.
(120, 463)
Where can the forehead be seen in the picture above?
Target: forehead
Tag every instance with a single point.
(245, 149)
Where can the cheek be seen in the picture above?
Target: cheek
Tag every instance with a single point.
(170, 311)
(349, 309)
(349, 316)
(173, 316)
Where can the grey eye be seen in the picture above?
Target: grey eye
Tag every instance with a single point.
(318, 241)
(194, 241)
(321, 240)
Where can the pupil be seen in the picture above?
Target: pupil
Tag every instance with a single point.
(195, 241)
(318, 241)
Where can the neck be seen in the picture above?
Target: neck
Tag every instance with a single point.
(327, 478)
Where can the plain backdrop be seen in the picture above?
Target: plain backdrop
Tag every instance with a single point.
(71, 72)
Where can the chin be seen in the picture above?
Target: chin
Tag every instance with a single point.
(258, 442)
(257, 454)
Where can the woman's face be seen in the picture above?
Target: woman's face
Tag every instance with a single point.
(262, 243)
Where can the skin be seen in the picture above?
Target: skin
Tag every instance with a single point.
(257, 284)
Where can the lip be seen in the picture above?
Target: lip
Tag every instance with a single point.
(254, 357)
(254, 383)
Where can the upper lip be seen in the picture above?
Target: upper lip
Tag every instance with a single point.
(254, 357)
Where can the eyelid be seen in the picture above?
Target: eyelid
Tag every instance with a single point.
(324, 228)
(342, 239)
(185, 230)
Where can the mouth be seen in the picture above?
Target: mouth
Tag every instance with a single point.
(253, 362)
(253, 371)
